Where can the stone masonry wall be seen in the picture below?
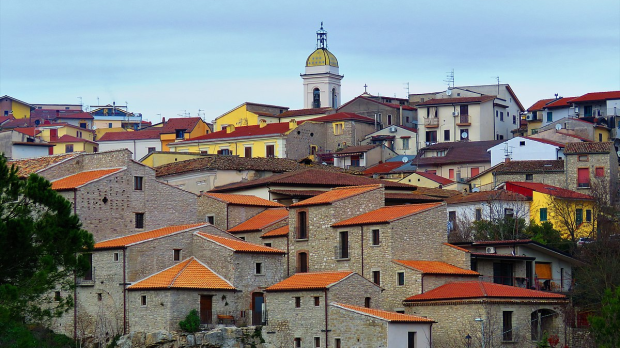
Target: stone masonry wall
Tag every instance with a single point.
(299, 140)
(211, 206)
(609, 163)
(355, 330)
(456, 257)
(420, 236)
(239, 213)
(246, 279)
(88, 161)
(554, 178)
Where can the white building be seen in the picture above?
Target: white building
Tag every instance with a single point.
(139, 143)
(526, 148)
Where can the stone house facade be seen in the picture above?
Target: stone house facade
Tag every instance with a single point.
(255, 227)
(226, 211)
(592, 168)
(278, 238)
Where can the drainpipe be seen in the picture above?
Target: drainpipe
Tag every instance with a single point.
(422, 282)
(326, 324)
(124, 292)
(362, 248)
(75, 307)
(288, 255)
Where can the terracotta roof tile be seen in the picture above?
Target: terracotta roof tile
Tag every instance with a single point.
(539, 105)
(188, 274)
(434, 177)
(304, 112)
(82, 178)
(243, 200)
(534, 166)
(343, 116)
(436, 267)
(526, 189)
(595, 147)
(546, 141)
(355, 150)
(436, 192)
(261, 220)
(460, 100)
(314, 177)
(487, 196)
(560, 103)
(385, 215)
(382, 168)
(121, 242)
(411, 197)
(71, 139)
(298, 193)
(137, 135)
(240, 246)
(28, 166)
(597, 96)
(31, 131)
(458, 152)
(310, 281)
(278, 232)
(470, 290)
(456, 247)
(385, 315)
(335, 195)
(185, 123)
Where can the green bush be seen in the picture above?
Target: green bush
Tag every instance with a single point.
(191, 322)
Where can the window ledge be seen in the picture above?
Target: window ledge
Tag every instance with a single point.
(375, 245)
(301, 240)
(343, 259)
(262, 274)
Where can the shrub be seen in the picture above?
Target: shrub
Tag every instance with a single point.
(191, 322)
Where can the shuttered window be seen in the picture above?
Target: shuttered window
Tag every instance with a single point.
(583, 177)
(543, 270)
(543, 214)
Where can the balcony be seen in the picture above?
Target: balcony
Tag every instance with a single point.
(464, 120)
(551, 285)
(431, 122)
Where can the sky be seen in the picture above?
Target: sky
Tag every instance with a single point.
(190, 58)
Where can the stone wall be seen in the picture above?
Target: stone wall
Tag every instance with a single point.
(456, 257)
(356, 330)
(604, 185)
(219, 337)
(299, 140)
(88, 161)
(553, 178)
(240, 213)
(209, 206)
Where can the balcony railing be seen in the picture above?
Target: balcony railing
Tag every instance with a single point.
(464, 120)
(210, 319)
(431, 122)
(551, 285)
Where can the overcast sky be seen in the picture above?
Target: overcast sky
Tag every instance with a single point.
(169, 58)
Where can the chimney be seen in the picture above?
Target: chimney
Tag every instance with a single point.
(163, 120)
(292, 124)
(507, 159)
(230, 128)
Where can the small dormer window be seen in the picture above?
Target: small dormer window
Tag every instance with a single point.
(180, 133)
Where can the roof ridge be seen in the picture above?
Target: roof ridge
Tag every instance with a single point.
(341, 279)
(189, 260)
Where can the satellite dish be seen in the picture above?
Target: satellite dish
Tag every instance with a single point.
(558, 126)
(405, 159)
(448, 91)
(464, 135)
(37, 122)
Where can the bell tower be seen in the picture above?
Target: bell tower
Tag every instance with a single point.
(321, 78)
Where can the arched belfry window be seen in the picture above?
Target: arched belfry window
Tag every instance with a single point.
(334, 98)
(316, 98)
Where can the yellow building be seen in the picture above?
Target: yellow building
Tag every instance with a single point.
(567, 210)
(263, 140)
(248, 114)
(158, 158)
(15, 107)
(179, 129)
(426, 179)
(68, 138)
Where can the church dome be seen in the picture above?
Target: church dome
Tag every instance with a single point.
(322, 57)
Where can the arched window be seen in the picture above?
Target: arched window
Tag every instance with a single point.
(316, 98)
(334, 99)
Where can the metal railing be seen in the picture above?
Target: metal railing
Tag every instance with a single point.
(551, 285)
(464, 119)
(431, 121)
(210, 319)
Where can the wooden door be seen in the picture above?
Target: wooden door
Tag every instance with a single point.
(206, 309)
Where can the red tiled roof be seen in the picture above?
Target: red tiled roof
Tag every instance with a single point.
(261, 220)
(459, 100)
(351, 150)
(343, 116)
(546, 189)
(436, 267)
(411, 197)
(382, 168)
(71, 139)
(456, 247)
(597, 96)
(385, 215)
(362, 97)
(539, 105)
(137, 135)
(436, 192)
(31, 131)
(298, 193)
(278, 232)
(470, 290)
(240, 246)
(5, 118)
(32, 165)
(76, 115)
(304, 112)
(188, 274)
(560, 103)
(594, 147)
(532, 166)
(458, 152)
(243, 200)
(314, 177)
(143, 236)
(487, 196)
(82, 178)
(335, 194)
(185, 123)
(385, 315)
(243, 132)
(310, 281)
(434, 177)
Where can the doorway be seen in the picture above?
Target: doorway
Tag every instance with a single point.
(257, 308)
(206, 309)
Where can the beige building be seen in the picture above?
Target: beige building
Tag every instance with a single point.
(226, 211)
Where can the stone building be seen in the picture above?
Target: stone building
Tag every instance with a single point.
(549, 172)
(225, 211)
(492, 314)
(385, 111)
(115, 196)
(279, 239)
(255, 227)
(592, 168)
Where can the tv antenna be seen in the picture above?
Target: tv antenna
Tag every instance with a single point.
(450, 78)
(507, 151)
(407, 88)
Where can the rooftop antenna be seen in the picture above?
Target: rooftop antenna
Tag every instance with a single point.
(497, 78)
(407, 88)
(80, 98)
(321, 38)
(507, 151)
(98, 101)
(450, 78)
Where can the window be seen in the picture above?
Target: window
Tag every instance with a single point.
(211, 219)
(507, 326)
(522, 143)
(411, 338)
(110, 125)
(514, 119)
(431, 136)
(578, 216)
(367, 302)
(389, 120)
(376, 277)
(57, 296)
(549, 116)
(69, 148)
(302, 262)
(137, 183)
(529, 177)
(338, 343)
(375, 237)
(143, 300)
(258, 268)
(451, 220)
(268, 245)
(400, 278)
(334, 101)
(339, 128)
(297, 342)
(139, 220)
(600, 137)
(317, 342)
(116, 257)
(100, 298)
(501, 116)
(534, 131)
(543, 214)
(464, 109)
(588, 215)
(474, 171)
(176, 255)
(89, 273)
(503, 273)
(587, 111)
(599, 172)
(225, 152)
(297, 302)
(446, 135)
(583, 177)
(316, 98)
(451, 174)
(344, 245)
(302, 225)
(247, 152)
(242, 238)
(180, 133)
(582, 158)
(270, 151)
(151, 149)
(317, 301)
(509, 212)
(478, 214)
(82, 124)
(405, 143)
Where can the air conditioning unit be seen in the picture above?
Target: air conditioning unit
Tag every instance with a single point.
(529, 117)
(392, 129)
(455, 113)
(576, 110)
(490, 250)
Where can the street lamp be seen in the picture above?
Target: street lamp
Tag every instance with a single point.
(468, 340)
(482, 324)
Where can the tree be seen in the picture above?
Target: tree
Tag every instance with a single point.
(42, 243)
(606, 326)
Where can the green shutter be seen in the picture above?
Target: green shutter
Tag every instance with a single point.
(543, 214)
(579, 216)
